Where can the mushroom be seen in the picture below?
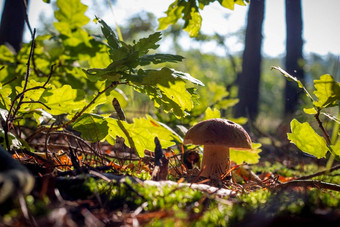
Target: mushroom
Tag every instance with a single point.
(218, 136)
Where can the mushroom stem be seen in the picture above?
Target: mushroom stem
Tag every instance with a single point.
(215, 161)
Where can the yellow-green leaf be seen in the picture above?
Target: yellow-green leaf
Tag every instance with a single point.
(174, 13)
(211, 113)
(92, 127)
(327, 91)
(143, 132)
(229, 4)
(193, 25)
(310, 110)
(248, 156)
(306, 139)
(5, 100)
(62, 100)
(72, 12)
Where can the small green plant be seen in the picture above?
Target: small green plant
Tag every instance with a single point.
(327, 93)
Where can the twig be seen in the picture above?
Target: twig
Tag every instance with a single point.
(37, 102)
(33, 155)
(75, 137)
(307, 183)
(26, 18)
(10, 81)
(8, 119)
(319, 173)
(325, 134)
(84, 170)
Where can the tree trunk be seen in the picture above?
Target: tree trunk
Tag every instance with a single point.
(294, 58)
(249, 79)
(12, 23)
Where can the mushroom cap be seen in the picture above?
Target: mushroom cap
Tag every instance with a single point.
(218, 131)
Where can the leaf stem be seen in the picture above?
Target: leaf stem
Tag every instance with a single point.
(325, 134)
(286, 74)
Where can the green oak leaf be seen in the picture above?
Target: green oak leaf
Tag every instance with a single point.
(306, 139)
(5, 100)
(230, 4)
(109, 34)
(174, 13)
(172, 86)
(249, 156)
(5, 54)
(189, 12)
(217, 91)
(211, 113)
(143, 132)
(327, 91)
(72, 12)
(61, 100)
(193, 25)
(310, 110)
(167, 88)
(93, 127)
(145, 44)
(159, 58)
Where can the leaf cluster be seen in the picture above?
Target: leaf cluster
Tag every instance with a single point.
(74, 73)
(188, 10)
(325, 96)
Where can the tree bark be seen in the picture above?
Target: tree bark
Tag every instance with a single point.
(294, 58)
(13, 23)
(249, 79)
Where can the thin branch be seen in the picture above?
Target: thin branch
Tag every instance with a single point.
(10, 81)
(26, 18)
(307, 183)
(8, 119)
(319, 173)
(26, 78)
(37, 102)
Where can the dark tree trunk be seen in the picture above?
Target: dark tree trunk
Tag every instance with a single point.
(12, 23)
(294, 58)
(249, 79)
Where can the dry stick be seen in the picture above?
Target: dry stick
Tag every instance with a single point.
(307, 183)
(75, 137)
(7, 123)
(319, 173)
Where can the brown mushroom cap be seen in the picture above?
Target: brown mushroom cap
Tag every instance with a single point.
(218, 132)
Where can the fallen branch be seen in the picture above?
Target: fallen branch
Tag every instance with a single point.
(306, 184)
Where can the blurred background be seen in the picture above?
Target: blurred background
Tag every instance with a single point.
(232, 55)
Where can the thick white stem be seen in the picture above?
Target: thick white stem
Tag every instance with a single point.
(215, 161)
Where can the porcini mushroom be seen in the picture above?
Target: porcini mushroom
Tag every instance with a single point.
(217, 136)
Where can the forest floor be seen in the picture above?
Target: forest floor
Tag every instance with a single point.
(294, 189)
